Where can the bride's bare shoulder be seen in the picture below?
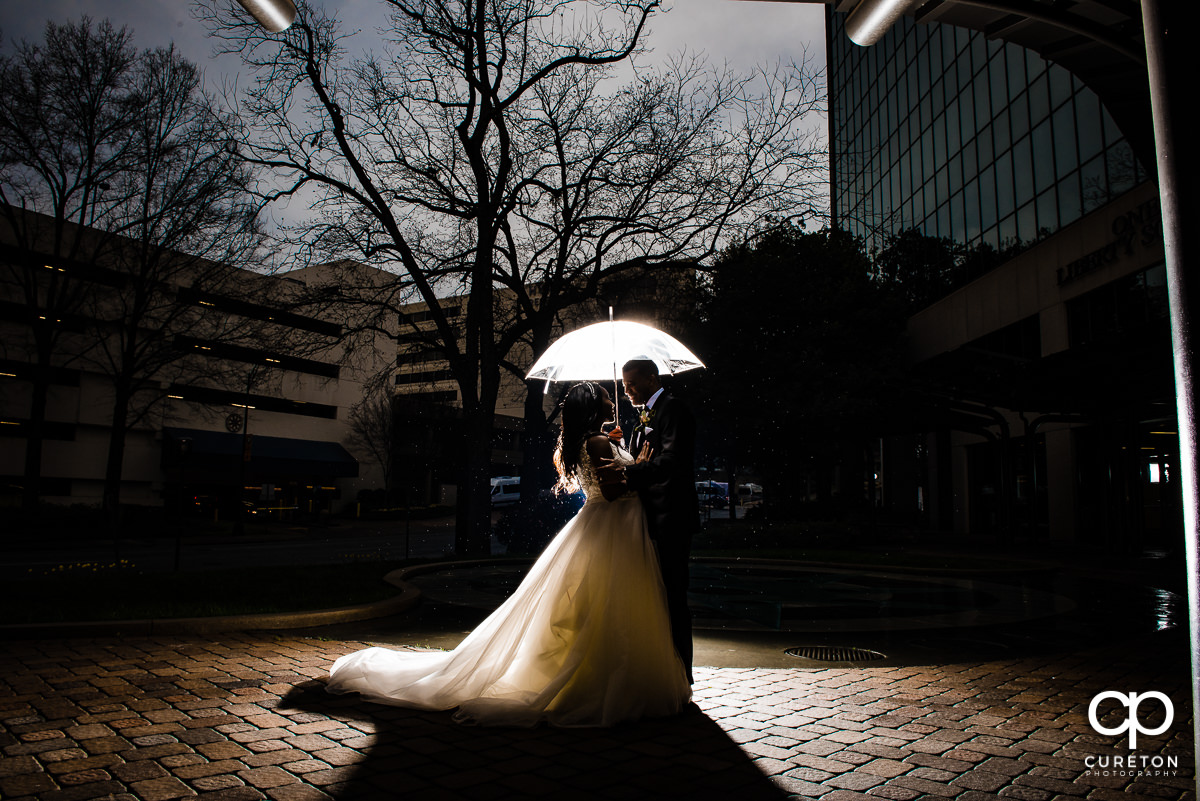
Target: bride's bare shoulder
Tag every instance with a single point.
(599, 447)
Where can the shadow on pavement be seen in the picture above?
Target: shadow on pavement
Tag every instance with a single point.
(429, 756)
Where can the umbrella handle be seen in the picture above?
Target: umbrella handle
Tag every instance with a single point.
(616, 399)
(616, 394)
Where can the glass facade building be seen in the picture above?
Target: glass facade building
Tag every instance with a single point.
(940, 129)
(1046, 406)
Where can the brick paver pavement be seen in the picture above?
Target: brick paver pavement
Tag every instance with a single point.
(238, 717)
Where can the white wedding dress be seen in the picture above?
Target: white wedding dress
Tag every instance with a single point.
(584, 641)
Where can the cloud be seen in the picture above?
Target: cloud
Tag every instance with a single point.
(742, 32)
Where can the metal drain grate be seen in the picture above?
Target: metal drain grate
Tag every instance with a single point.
(834, 653)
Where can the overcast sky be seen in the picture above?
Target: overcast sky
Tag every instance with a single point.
(738, 31)
(742, 33)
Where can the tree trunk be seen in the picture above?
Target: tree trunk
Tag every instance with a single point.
(116, 457)
(825, 470)
(537, 467)
(473, 521)
(734, 454)
(35, 435)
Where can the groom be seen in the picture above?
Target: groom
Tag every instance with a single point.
(667, 486)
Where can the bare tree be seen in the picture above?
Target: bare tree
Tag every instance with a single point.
(485, 152)
(185, 217)
(375, 430)
(117, 165)
(66, 113)
(653, 179)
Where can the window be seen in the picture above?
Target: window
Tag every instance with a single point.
(424, 377)
(220, 397)
(930, 96)
(1123, 307)
(240, 353)
(1065, 146)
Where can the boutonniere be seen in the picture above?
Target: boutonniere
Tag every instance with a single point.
(645, 416)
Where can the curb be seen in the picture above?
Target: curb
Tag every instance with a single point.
(407, 599)
(400, 576)
(858, 567)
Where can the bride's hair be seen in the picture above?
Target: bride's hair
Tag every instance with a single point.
(583, 412)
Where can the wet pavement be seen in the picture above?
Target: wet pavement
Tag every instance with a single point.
(241, 717)
(750, 613)
(982, 692)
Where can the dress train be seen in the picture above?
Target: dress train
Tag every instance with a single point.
(584, 641)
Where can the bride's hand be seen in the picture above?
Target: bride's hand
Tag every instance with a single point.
(609, 472)
(645, 454)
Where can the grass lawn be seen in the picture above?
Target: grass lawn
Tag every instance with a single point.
(78, 592)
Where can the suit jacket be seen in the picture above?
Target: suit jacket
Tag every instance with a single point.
(667, 483)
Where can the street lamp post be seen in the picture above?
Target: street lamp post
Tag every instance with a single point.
(239, 525)
(1173, 200)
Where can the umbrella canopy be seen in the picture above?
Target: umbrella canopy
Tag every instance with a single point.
(598, 351)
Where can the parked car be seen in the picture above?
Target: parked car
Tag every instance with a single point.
(506, 490)
(749, 495)
(712, 494)
(527, 529)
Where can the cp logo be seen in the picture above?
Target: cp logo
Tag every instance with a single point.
(1131, 724)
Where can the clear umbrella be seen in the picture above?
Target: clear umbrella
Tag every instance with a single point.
(597, 351)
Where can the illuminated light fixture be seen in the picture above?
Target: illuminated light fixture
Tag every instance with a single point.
(8, 375)
(8, 423)
(241, 406)
(206, 303)
(871, 19)
(275, 361)
(176, 397)
(274, 15)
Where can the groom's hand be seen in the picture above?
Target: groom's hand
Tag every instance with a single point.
(645, 454)
(609, 472)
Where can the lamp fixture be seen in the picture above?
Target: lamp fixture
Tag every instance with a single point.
(274, 15)
(871, 19)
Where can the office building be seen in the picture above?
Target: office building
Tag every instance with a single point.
(242, 403)
(1048, 406)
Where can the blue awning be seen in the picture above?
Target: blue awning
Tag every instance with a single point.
(194, 454)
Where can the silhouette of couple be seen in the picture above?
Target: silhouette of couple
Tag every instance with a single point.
(599, 631)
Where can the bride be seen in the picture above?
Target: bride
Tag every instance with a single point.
(584, 641)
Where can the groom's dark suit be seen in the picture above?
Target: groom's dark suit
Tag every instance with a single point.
(667, 486)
